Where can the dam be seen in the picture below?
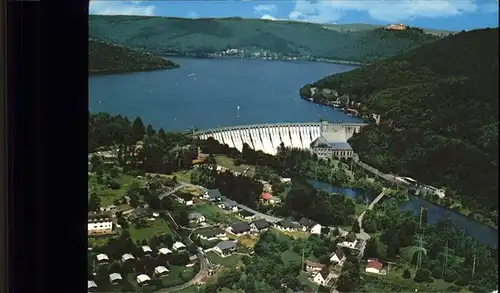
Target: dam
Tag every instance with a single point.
(268, 137)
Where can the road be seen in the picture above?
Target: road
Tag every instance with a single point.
(388, 177)
(180, 186)
(362, 234)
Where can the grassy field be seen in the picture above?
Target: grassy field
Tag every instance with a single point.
(228, 163)
(294, 234)
(215, 214)
(174, 278)
(229, 262)
(158, 226)
(193, 190)
(248, 241)
(291, 256)
(108, 195)
(183, 176)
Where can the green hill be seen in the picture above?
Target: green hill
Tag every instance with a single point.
(439, 113)
(290, 38)
(111, 58)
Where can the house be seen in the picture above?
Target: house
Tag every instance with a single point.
(286, 225)
(91, 286)
(321, 277)
(239, 228)
(211, 234)
(260, 225)
(192, 261)
(146, 250)
(102, 259)
(286, 180)
(161, 271)
(138, 214)
(229, 205)
(196, 218)
(99, 224)
(179, 246)
(338, 256)
(185, 198)
(246, 215)
(212, 195)
(143, 280)
(164, 251)
(313, 266)
(373, 266)
(127, 257)
(110, 208)
(115, 278)
(310, 225)
(225, 248)
(266, 197)
(350, 242)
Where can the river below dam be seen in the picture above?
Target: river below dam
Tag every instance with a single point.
(210, 93)
(481, 233)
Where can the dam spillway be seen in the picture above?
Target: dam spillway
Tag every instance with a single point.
(268, 137)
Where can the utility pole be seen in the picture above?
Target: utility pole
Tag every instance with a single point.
(474, 267)
(446, 253)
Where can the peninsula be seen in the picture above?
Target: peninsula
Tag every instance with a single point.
(107, 58)
(435, 117)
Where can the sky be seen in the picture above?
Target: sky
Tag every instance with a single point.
(451, 15)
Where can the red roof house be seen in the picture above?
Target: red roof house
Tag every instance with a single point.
(266, 196)
(373, 266)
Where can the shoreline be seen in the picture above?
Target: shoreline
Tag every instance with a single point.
(330, 61)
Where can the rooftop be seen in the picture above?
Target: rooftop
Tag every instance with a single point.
(164, 251)
(143, 278)
(194, 216)
(226, 245)
(115, 276)
(287, 223)
(336, 145)
(310, 263)
(266, 196)
(307, 222)
(240, 227)
(245, 213)
(261, 223)
(214, 193)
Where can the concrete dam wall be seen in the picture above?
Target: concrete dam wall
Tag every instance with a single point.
(267, 137)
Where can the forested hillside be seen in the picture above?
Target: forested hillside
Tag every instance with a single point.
(110, 58)
(439, 120)
(297, 39)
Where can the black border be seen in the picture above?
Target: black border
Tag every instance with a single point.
(48, 106)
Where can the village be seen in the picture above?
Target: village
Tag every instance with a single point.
(218, 232)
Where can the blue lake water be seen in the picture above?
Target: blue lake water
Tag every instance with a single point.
(477, 231)
(205, 93)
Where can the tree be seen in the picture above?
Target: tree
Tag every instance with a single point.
(406, 274)
(150, 130)
(355, 227)
(138, 129)
(94, 202)
(422, 275)
(371, 249)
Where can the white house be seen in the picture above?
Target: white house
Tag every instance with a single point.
(102, 258)
(179, 246)
(143, 279)
(286, 225)
(110, 208)
(196, 218)
(240, 228)
(161, 271)
(115, 278)
(247, 215)
(211, 234)
(313, 266)
(260, 225)
(225, 248)
(146, 250)
(185, 198)
(338, 257)
(99, 224)
(229, 205)
(310, 225)
(321, 277)
(286, 180)
(127, 257)
(373, 266)
(91, 285)
(164, 251)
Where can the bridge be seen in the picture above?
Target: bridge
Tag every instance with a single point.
(267, 137)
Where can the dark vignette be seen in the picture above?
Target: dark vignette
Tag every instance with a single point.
(48, 114)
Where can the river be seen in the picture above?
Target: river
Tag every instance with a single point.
(205, 93)
(481, 233)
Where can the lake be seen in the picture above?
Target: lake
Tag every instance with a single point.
(481, 233)
(205, 93)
